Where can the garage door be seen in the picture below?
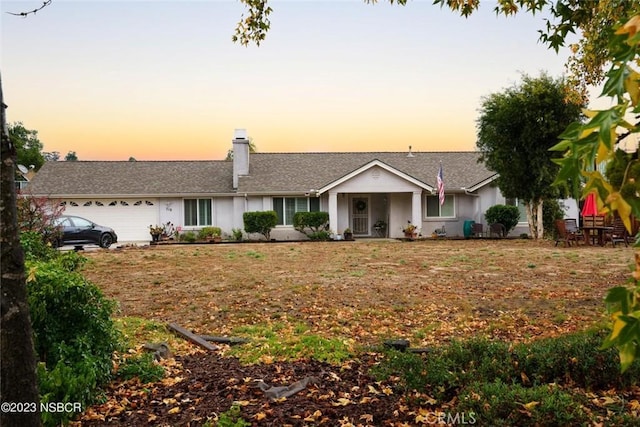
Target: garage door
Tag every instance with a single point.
(130, 218)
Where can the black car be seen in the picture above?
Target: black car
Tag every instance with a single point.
(76, 231)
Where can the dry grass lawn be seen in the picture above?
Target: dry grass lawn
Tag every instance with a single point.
(368, 290)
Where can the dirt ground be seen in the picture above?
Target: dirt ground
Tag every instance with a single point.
(363, 292)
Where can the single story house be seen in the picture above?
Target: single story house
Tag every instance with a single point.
(357, 189)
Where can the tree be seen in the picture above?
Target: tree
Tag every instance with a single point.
(516, 129)
(71, 157)
(18, 367)
(132, 159)
(252, 149)
(28, 146)
(52, 156)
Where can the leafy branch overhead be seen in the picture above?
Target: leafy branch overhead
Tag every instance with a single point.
(34, 11)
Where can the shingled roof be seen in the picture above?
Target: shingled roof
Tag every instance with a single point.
(269, 173)
(110, 178)
(278, 172)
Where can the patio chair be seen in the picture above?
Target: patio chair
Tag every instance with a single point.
(497, 229)
(477, 230)
(563, 235)
(572, 227)
(617, 234)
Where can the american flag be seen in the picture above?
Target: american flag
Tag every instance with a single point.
(440, 186)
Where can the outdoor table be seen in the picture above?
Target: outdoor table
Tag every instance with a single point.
(599, 229)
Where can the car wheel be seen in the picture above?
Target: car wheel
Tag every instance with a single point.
(106, 240)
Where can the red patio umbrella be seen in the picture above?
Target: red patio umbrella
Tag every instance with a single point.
(590, 207)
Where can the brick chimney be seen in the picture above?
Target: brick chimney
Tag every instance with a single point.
(240, 155)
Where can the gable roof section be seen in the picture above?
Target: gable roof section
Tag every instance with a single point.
(109, 178)
(273, 173)
(369, 166)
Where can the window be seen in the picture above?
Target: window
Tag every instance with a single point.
(434, 210)
(197, 212)
(286, 207)
(522, 209)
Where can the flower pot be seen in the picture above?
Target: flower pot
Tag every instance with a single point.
(348, 236)
(155, 237)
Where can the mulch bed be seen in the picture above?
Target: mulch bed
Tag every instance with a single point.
(206, 385)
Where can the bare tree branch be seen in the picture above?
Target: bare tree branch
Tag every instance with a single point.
(34, 11)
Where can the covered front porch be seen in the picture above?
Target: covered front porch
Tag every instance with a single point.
(374, 214)
(372, 195)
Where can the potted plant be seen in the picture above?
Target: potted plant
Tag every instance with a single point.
(156, 231)
(410, 230)
(348, 235)
(210, 234)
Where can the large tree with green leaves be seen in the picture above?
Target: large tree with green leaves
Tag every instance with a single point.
(28, 146)
(516, 129)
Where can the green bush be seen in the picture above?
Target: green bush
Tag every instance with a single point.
(232, 418)
(311, 222)
(261, 222)
(74, 336)
(143, 367)
(506, 215)
(575, 359)
(504, 370)
(552, 209)
(499, 404)
(35, 248)
(188, 236)
(208, 232)
(237, 234)
(320, 235)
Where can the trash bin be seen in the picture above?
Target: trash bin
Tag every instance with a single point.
(468, 228)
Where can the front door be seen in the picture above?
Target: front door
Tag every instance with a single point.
(360, 215)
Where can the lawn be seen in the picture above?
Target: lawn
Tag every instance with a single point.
(365, 291)
(341, 300)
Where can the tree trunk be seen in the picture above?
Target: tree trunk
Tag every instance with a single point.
(534, 218)
(18, 367)
(540, 221)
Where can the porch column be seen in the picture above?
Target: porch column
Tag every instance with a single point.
(416, 208)
(333, 212)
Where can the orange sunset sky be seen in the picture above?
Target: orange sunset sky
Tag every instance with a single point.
(163, 80)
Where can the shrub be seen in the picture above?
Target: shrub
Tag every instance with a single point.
(232, 418)
(35, 248)
(320, 235)
(208, 232)
(261, 222)
(39, 214)
(237, 234)
(576, 359)
(74, 336)
(552, 209)
(499, 404)
(314, 221)
(188, 236)
(506, 215)
(572, 360)
(143, 367)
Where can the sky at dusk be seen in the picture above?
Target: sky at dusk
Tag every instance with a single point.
(161, 80)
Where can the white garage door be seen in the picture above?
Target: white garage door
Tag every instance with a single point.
(130, 218)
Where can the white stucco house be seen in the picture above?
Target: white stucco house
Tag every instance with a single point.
(357, 189)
